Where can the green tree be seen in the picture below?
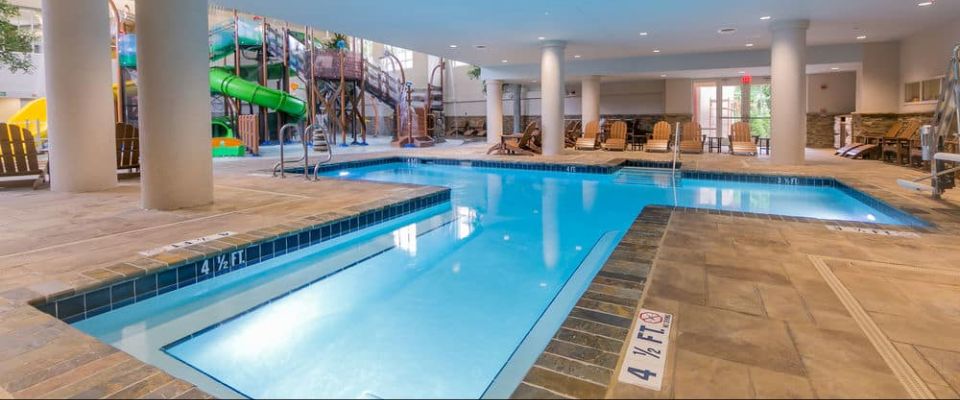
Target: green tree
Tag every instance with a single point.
(15, 44)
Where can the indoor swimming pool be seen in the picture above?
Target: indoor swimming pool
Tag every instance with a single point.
(450, 302)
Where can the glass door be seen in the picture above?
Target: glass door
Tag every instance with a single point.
(719, 103)
(705, 107)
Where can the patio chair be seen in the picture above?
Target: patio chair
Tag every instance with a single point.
(617, 140)
(897, 149)
(660, 140)
(18, 157)
(128, 150)
(872, 142)
(457, 128)
(589, 139)
(740, 140)
(525, 144)
(691, 139)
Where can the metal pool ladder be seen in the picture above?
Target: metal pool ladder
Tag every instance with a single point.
(319, 143)
(676, 151)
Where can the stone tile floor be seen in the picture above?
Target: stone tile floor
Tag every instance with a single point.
(755, 318)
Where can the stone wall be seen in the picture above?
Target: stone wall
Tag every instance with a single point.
(646, 120)
(820, 130)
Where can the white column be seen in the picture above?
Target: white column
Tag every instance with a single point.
(494, 110)
(789, 91)
(174, 101)
(76, 54)
(552, 91)
(590, 100)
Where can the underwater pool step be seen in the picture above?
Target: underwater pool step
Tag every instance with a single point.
(647, 176)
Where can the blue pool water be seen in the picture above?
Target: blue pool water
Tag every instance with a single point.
(432, 305)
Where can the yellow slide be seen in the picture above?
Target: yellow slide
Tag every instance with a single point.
(35, 112)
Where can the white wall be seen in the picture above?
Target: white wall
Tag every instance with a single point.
(30, 85)
(924, 55)
(878, 79)
(832, 93)
(678, 96)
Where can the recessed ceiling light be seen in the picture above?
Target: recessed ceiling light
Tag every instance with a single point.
(663, 75)
(765, 17)
(656, 50)
(643, 34)
(861, 37)
(726, 31)
(749, 45)
(453, 46)
(504, 61)
(742, 72)
(834, 68)
(540, 38)
(925, 4)
(546, 13)
(576, 56)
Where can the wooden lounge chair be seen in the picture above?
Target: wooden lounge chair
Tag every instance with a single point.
(589, 139)
(843, 150)
(872, 143)
(691, 139)
(524, 145)
(660, 140)
(740, 140)
(572, 133)
(457, 128)
(18, 157)
(617, 140)
(898, 148)
(128, 150)
(482, 131)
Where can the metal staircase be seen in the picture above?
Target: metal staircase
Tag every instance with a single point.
(932, 138)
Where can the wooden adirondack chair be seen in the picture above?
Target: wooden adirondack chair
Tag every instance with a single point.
(128, 150)
(18, 157)
(691, 139)
(660, 140)
(589, 139)
(617, 140)
(740, 139)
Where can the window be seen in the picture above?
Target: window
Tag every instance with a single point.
(456, 63)
(405, 56)
(922, 91)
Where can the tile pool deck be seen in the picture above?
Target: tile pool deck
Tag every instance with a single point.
(755, 315)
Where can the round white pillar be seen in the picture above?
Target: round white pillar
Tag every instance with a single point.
(788, 78)
(590, 100)
(80, 112)
(552, 91)
(174, 104)
(494, 110)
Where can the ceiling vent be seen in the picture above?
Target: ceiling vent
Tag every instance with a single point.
(726, 31)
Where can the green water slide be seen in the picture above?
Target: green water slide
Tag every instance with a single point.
(222, 80)
(226, 83)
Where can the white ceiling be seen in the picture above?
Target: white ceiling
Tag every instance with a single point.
(597, 29)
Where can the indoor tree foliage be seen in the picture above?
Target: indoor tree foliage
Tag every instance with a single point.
(336, 42)
(15, 44)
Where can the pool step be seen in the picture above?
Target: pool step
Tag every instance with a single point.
(659, 177)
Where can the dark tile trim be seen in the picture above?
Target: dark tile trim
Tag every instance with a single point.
(180, 274)
(596, 328)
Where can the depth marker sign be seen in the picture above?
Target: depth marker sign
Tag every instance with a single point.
(645, 360)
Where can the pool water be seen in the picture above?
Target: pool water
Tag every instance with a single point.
(430, 305)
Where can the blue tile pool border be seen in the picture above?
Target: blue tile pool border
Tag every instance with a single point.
(177, 275)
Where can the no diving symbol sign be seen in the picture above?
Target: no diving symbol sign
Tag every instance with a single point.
(651, 318)
(643, 365)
